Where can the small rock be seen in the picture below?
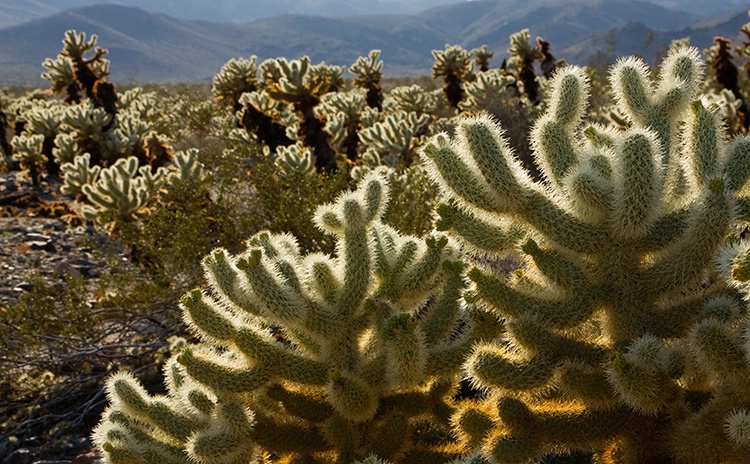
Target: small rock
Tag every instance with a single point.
(64, 269)
(40, 245)
(85, 262)
(23, 287)
(93, 272)
(89, 458)
(37, 236)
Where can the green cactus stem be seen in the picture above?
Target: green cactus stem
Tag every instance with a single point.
(617, 322)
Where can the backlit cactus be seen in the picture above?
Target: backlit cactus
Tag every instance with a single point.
(522, 57)
(343, 115)
(78, 173)
(237, 76)
(454, 66)
(302, 85)
(188, 425)
(295, 158)
(369, 72)
(482, 57)
(27, 152)
(413, 99)
(89, 73)
(121, 192)
(621, 338)
(323, 358)
(395, 140)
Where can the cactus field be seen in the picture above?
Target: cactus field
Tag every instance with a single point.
(309, 263)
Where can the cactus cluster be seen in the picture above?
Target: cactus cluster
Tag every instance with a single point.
(454, 66)
(621, 336)
(124, 191)
(621, 332)
(592, 284)
(314, 357)
(105, 125)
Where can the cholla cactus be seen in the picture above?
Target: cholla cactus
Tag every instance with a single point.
(61, 74)
(181, 184)
(414, 195)
(302, 89)
(295, 159)
(412, 98)
(396, 137)
(726, 76)
(263, 103)
(548, 62)
(186, 167)
(294, 85)
(338, 357)
(495, 92)
(66, 148)
(122, 193)
(106, 138)
(482, 57)
(28, 153)
(144, 105)
(236, 77)
(157, 151)
(88, 74)
(454, 65)
(78, 173)
(332, 75)
(45, 120)
(729, 108)
(522, 57)
(270, 72)
(342, 112)
(369, 73)
(88, 71)
(187, 425)
(258, 119)
(5, 147)
(88, 124)
(490, 92)
(126, 138)
(620, 335)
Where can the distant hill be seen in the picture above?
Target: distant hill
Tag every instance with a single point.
(13, 12)
(705, 8)
(635, 38)
(148, 47)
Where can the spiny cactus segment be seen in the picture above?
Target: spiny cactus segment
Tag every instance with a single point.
(361, 349)
(620, 338)
(454, 66)
(369, 71)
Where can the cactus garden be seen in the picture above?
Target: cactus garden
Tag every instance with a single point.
(311, 263)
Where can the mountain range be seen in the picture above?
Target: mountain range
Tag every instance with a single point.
(14, 12)
(154, 47)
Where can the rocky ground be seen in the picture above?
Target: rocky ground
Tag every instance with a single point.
(44, 241)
